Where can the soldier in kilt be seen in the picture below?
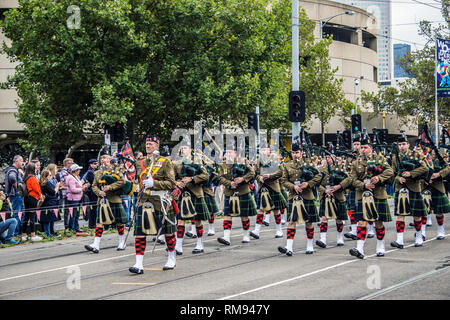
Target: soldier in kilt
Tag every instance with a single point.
(370, 173)
(190, 184)
(268, 174)
(156, 173)
(408, 181)
(440, 204)
(210, 197)
(108, 191)
(332, 186)
(351, 201)
(295, 182)
(236, 178)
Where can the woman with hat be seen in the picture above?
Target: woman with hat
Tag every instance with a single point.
(75, 188)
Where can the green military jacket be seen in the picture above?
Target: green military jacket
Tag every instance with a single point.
(164, 179)
(225, 176)
(339, 194)
(273, 181)
(97, 184)
(292, 173)
(437, 183)
(195, 186)
(413, 182)
(359, 174)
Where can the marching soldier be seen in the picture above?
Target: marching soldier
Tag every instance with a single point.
(159, 175)
(190, 178)
(210, 197)
(440, 203)
(114, 203)
(238, 199)
(269, 191)
(299, 181)
(332, 200)
(369, 174)
(351, 202)
(408, 166)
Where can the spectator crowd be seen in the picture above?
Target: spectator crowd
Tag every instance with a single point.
(33, 199)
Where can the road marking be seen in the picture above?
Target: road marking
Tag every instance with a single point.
(136, 283)
(312, 273)
(106, 259)
(401, 284)
(153, 269)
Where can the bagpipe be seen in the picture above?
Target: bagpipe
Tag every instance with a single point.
(111, 177)
(437, 163)
(239, 170)
(213, 171)
(190, 170)
(375, 168)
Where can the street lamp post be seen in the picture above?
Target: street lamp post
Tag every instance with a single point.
(322, 24)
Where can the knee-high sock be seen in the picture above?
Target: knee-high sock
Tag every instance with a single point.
(140, 245)
(120, 229)
(400, 230)
(290, 234)
(171, 241)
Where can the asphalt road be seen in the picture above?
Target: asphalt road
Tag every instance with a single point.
(254, 271)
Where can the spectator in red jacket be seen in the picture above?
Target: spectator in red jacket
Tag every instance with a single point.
(31, 202)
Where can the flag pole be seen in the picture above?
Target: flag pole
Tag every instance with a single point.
(436, 115)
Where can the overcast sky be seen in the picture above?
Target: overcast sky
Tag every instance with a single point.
(407, 12)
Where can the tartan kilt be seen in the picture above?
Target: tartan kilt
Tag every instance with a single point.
(118, 211)
(439, 202)
(384, 214)
(285, 195)
(246, 203)
(351, 200)
(341, 213)
(167, 228)
(310, 207)
(416, 204)
(211, 204)
(201, 209)
(277, 200)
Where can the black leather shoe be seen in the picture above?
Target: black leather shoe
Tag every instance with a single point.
(197, 251)
(223, 241)
(380, 254)
(350, 235)
(440, 238)
(289, 253)
(396, 245)
(160, 241)
(90, 248)
(321, 244)
(418, 245)
(254, 235)
(339, 244)
(178, 253)
(191, 235)
(265, 223)
(165, 268)
(136, 270)
(356, 253)
(309, 252)
(278, 236)
(411, 224)
(282, 250)
(370, 236)
(423, 237)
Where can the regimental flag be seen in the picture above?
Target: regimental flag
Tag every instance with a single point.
(126, 155)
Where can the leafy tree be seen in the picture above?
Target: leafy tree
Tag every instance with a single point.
(415, 96)
(155, 65)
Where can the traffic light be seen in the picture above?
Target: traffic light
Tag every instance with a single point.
(347, 136)
(384, 136)
(116, 132)
(253, 121)
(356, 123)
(297, 106)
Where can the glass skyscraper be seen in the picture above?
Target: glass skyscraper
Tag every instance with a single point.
(400, 50)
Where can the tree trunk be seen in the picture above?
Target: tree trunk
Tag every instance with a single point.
(75, 146)
(323, 133)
